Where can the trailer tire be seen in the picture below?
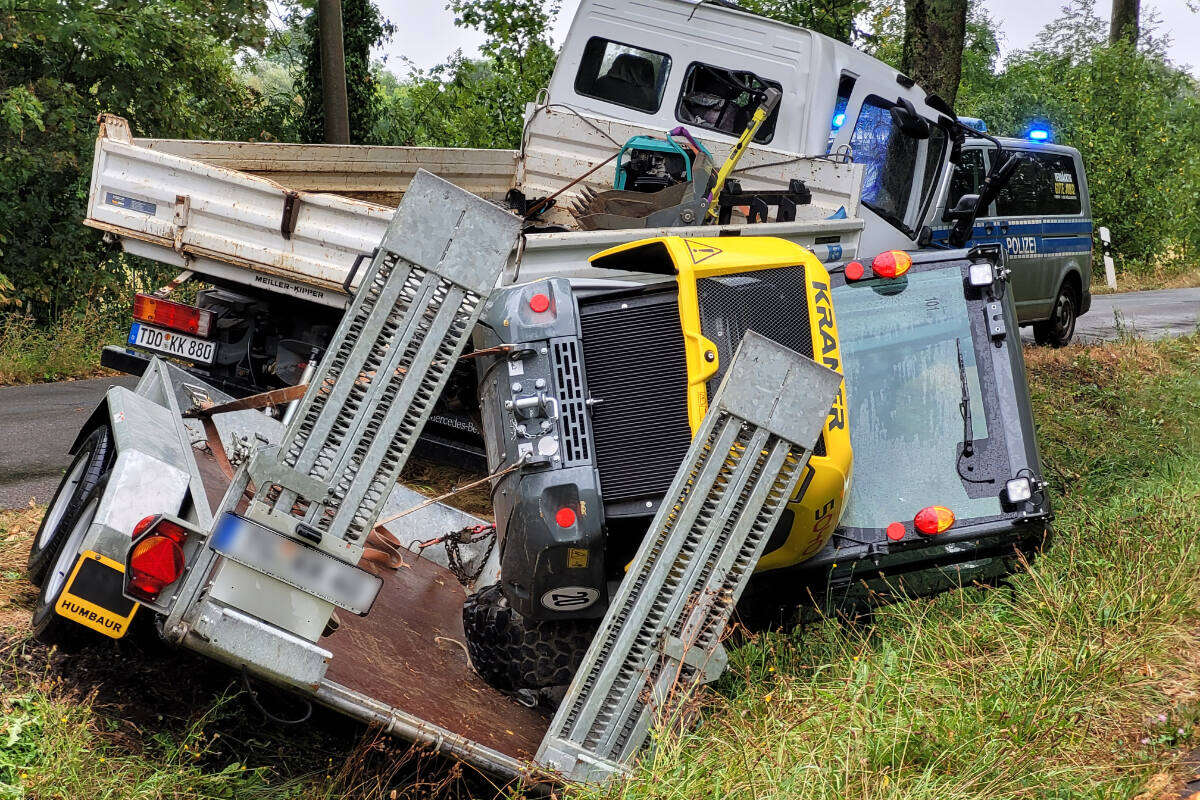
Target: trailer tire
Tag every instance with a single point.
(47, 626)
(91, 461)
(512, 653)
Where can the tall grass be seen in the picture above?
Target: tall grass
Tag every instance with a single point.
(70, 348)
(1081, 679)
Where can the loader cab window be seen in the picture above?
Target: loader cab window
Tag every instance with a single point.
(723, 100)
(893, 161)
(623, 74)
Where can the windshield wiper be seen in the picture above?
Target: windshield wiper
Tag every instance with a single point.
(968, 442)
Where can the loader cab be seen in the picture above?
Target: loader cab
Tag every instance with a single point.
(659, 64)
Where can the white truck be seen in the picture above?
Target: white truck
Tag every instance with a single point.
(238, 535)
(276, 229)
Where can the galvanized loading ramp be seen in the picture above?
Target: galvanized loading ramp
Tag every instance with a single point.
(662, 633)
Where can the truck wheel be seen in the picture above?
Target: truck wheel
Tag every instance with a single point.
(512, 653)
(1058, 330)
(48, 626)
(91, 462)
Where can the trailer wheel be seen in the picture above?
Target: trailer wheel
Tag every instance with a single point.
(48, 626)
(91, 461)
(512, 653)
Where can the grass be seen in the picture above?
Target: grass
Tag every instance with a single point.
(1172, 275)
(68, 350)
(1080, 680)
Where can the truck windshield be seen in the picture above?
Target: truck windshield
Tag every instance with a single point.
(892, 161)
(900, 342)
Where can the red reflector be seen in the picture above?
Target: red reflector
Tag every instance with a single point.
(143, 525)
(933, 519)
(168, 314)
(565, 518)
(854, 271)
(895, 531)
(891, 264)
(155, 563)
(539, 303)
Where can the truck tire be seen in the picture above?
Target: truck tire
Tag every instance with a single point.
(512, 653)
(91, 461)
(1058, 330)
(47, 625)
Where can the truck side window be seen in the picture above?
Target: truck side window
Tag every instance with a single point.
(967, 177)
(889, 159)
(719, 100)
(623, 74)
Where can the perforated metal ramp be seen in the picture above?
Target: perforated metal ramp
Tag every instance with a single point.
(661, 634)
(386, 366)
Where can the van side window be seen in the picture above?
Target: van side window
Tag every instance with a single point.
(623, 74)
(723, 100)
(967, 177)
(1044, 185)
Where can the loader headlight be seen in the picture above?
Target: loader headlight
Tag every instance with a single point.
(981, 275)
(1018, 490)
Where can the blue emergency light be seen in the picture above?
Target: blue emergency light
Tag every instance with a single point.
(1039, 134)
(839, 120)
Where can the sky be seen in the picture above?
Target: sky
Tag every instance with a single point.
(425, 32)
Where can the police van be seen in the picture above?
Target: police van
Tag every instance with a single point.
(1042, 218)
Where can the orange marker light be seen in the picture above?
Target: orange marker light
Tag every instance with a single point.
(891, 264)
(933, 520)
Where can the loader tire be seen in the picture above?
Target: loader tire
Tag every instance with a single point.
(514, 654)
(91, 461)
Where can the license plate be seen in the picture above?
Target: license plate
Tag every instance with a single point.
(175, 344)
(296, 564)
(94, 596)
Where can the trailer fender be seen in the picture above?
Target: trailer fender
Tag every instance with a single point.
(149, 474)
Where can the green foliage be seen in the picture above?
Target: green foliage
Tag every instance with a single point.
(363, 27)
(1134, 116)
(477, 102)
(834, 18)
(68, 348)
(163, 64)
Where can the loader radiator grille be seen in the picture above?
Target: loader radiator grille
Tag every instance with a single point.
(637, 376)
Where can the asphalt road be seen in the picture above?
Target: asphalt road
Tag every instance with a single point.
(38, 423)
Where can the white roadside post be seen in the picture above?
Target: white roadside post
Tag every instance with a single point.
(1110, 272)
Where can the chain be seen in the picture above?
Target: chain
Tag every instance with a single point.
(454, 555)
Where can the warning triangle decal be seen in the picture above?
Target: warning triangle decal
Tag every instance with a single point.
(701, 252)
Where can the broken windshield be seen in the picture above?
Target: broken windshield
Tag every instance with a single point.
(899, 342)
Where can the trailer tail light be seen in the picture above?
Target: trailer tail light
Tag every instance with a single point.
(172, 315)
(157, 557)
(933, 520)
(891, 264)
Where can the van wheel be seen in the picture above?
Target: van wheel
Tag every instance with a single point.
(47, 625)
(1058, 330)
(91, 461)
(514, 654)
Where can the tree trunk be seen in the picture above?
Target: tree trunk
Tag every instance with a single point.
(333, 73)
(934, 32)
(1125, 21)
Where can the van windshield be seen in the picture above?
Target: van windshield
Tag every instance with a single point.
(900, 342)
(891, 160)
